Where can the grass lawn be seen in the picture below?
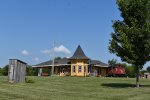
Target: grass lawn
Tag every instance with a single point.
(75, 88)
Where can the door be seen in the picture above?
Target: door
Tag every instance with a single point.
(11, 73)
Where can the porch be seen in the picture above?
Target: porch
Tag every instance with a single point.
(63, 70)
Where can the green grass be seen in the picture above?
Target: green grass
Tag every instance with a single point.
(75, 88)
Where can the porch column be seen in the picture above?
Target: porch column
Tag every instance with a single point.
(39, 71)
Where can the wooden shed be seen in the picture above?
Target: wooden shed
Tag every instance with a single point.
(16, 71)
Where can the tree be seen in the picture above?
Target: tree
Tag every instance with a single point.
(0, 71)
(57, 58)
(4, 70)
(131, 37)
(148, 69)
(30, 71)
(112, 62)
(130, 71)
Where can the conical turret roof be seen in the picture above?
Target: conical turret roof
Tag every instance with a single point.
(79, 54)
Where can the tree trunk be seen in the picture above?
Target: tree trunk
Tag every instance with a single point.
(137, 77)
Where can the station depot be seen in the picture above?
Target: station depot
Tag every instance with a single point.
(77, 65)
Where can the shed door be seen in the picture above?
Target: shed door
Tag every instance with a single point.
(11, 72)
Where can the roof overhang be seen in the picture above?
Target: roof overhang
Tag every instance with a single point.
(42, 66)
(101, 66)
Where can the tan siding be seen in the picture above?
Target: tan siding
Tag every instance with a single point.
(78, 63)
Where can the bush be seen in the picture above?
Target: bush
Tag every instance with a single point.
(28, 80)
(30, 71)
(4, 70)
(131, 70)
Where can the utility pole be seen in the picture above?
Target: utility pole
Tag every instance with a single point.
(53, 62)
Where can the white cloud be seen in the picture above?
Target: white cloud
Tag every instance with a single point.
(59, 49)
(36, 59)
(47, 52)
(25, 52)
(62, 49)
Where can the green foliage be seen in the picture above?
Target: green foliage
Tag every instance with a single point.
(31, 71)
(131, 37)
(131, 71)
(123, 65)
(148, 69)
(4, 70)
(46, 70)
(57, 58)
(112, 62)
(29, 80)
(1, 72)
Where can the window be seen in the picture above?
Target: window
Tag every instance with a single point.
(84, 69)
(79, 69)
(89, 69)
(99, 71)
(74, 69)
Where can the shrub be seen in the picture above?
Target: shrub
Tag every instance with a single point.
(29, 80)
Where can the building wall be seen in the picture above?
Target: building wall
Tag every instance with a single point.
(103, 71)
(100, 71)
(62, 70)
(77, 71)
(56, 70)
(147, 75)
(85, 71)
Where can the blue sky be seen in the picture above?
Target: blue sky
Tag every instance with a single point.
(29, 27)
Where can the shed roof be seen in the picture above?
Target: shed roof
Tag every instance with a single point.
(19, 61)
